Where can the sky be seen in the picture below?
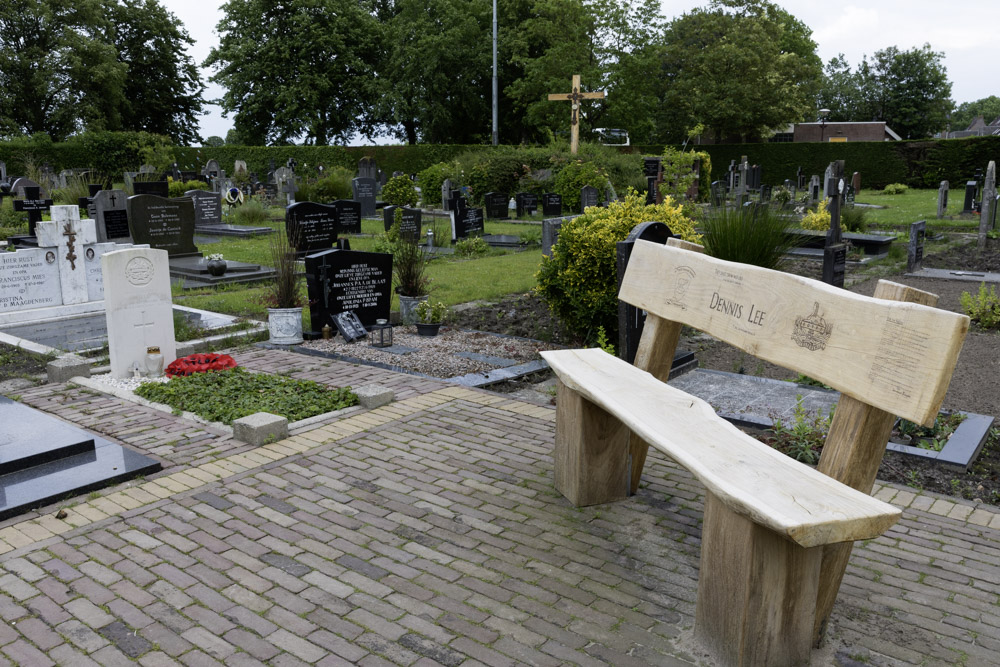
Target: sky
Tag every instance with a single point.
(854, 29)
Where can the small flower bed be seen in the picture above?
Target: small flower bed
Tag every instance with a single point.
(227, 395)
(199, 363)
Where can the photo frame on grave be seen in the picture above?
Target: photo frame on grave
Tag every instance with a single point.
(350, 326)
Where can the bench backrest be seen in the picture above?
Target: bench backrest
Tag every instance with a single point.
(895, 356)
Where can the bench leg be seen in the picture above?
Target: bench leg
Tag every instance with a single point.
(756, 591)
(591, 453)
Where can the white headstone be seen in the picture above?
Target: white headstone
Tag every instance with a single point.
(29, 278)
(138, 307)
(68, 235)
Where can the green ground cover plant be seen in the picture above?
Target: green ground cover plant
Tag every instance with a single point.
(983, 308)
(225, 396)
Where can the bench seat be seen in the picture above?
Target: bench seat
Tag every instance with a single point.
(749, 477)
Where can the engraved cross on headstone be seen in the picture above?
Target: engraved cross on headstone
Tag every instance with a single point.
(142, 325)
(575, 98)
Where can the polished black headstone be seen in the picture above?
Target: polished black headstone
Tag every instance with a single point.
(33, 205)
(589, 196)
(835, 264)
(364, 193)
(551, 204)
(630, 318)
(165, 224)
(342, 280)
(526, 202)
(311, 226)
(496, 204)
(467, 222)
(43, 459)
(350, 326)
(158, 188)
(348, 216)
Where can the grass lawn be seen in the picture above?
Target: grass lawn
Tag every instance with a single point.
(914, 205)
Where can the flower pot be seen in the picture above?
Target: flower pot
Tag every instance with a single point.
(407, 308)
(217, 267)
(285, 325)
(428, 329)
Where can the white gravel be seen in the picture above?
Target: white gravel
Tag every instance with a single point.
(435, 355)
(129, 384)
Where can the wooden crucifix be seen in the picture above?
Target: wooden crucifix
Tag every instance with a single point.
(575, 97)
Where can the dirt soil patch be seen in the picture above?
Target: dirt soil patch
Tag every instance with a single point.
(16, 363)
(967, 258)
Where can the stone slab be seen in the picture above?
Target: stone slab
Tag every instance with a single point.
(374, 396)
(962, 447)
(260, 428)
(486, 359)
(66, 367)
(238, 231)
(948, 274)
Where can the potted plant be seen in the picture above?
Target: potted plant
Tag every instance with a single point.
(409, 264)
(430, 317)
(284, 301)
(216, 265)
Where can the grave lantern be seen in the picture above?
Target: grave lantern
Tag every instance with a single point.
(381, 334)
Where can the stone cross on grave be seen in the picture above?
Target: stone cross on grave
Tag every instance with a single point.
(33, 206)
(70, 233)
(142, 326)
(66, 234)
(290, 188)
(575, 97)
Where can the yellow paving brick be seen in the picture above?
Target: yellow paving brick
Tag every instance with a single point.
(960, 512)
(922, 503)
(315, 435)
(994, 523)
(123, 499)
(279, 448)
(15, 537)
(4, 547)
(244, 460)
(885, 494)
(53, 525)
(941, 507)
(903, 498)
(34, 532)
(89, 511)
(171, 483)
(76, 519)
(257, 458)
(107, 506)
(141, 495)
(269, 454)
(230, 466)
(214, 469)
(155, 489)
(980, 517)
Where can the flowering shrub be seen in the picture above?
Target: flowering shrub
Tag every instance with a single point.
(199, 363)
(818, 220)
(579, 280)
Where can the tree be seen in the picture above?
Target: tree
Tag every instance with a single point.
(163, 90)
(909, 90)
(299, 68)
(741, 67)
(987, 107)
(214, 141)
(58, 73)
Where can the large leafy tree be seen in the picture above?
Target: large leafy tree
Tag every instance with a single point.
(966, 112)
(163, 90)
(297, 68)
(909, 90)
(742, 68)
(58, 72)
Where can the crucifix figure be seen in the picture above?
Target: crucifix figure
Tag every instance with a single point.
(70, 234)
(575, 98)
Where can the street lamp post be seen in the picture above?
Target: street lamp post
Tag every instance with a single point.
(823, 113)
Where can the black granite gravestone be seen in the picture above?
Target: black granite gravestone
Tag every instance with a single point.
(410, 226)
(342, 280)
(364, 193)
(33, 205)
(158, 188)
(165, 224)
(43, 459)
(467, 222)
(207, 207)
(915, 248)
(388, 216)
(589, 196)
(348, 216)
(526, 202)
(311, 226)
(970, 197)
(551, 204)
(111, 215)
(496, 205)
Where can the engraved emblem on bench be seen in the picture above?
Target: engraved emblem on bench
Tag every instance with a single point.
(812, 332)
(683, 275)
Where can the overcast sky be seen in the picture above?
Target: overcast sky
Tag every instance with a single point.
(965, 32)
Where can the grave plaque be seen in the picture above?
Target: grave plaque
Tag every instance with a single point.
(835, 264)
(111, 215)
(551, 204)
(467, 222)
(527, 203)
(364, 193)
(348, 216)
(158, 188)
(311, 226)
(970, 197)
(410, 226)
(207, 207)
(346, 280)
(915, 248)
(496, 205)
(29, 278)
(350, 326)
(164, 224)
(33, 205)
(589, 196)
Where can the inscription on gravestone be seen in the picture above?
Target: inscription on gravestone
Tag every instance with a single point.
(551, 204)
(364, 193)
(348, 216)
(915, 248)
(311, 226)
(164, 224)
(345, 280)
(467, 222)
(207, 207)
(350, 326)
(527, 203)
(496, 205)
(589, 196)
(111, 215)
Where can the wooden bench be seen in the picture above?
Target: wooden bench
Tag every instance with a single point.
(776, 533)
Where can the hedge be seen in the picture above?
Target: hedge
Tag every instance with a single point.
(916, 163)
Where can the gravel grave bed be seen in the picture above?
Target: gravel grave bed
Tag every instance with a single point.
(438, 356)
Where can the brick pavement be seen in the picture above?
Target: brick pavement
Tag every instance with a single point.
(428, 532)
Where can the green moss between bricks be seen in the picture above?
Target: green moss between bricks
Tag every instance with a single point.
(225, 396)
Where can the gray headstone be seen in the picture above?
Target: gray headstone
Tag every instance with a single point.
(147, 169)
(111, 215)
(207, 207)
(989, 203)
(3, 171)
(364, 193)
(915, 248)
(942, 199)
(212, 169)
(367, 168)
(814, 189)
(589, 196)
(446, 188)
(166, 224)
(20, 184)
(827, 175)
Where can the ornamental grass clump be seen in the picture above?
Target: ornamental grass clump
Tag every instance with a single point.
(749, 235)
(579, 280)
(227, 395)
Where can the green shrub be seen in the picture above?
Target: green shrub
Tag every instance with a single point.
(678, 173)
(252, 213)
(781, 195)
(225, 396)
(178, 188)
(472, 247)
(495, 173)
(818, 220)
(749, 235)
(579, 279)
(895, 189)
(984, 308)
(853, 219)
(431, 179)
(399, 191)
(335, 185)
(573, 178)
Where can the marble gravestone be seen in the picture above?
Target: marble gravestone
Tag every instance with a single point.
(311, 226)
(166, 224)
(466, 222)
(345, 280)
(138, 306)
(348, 216)
(364, 193)
(111, 215)
(207, 207)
